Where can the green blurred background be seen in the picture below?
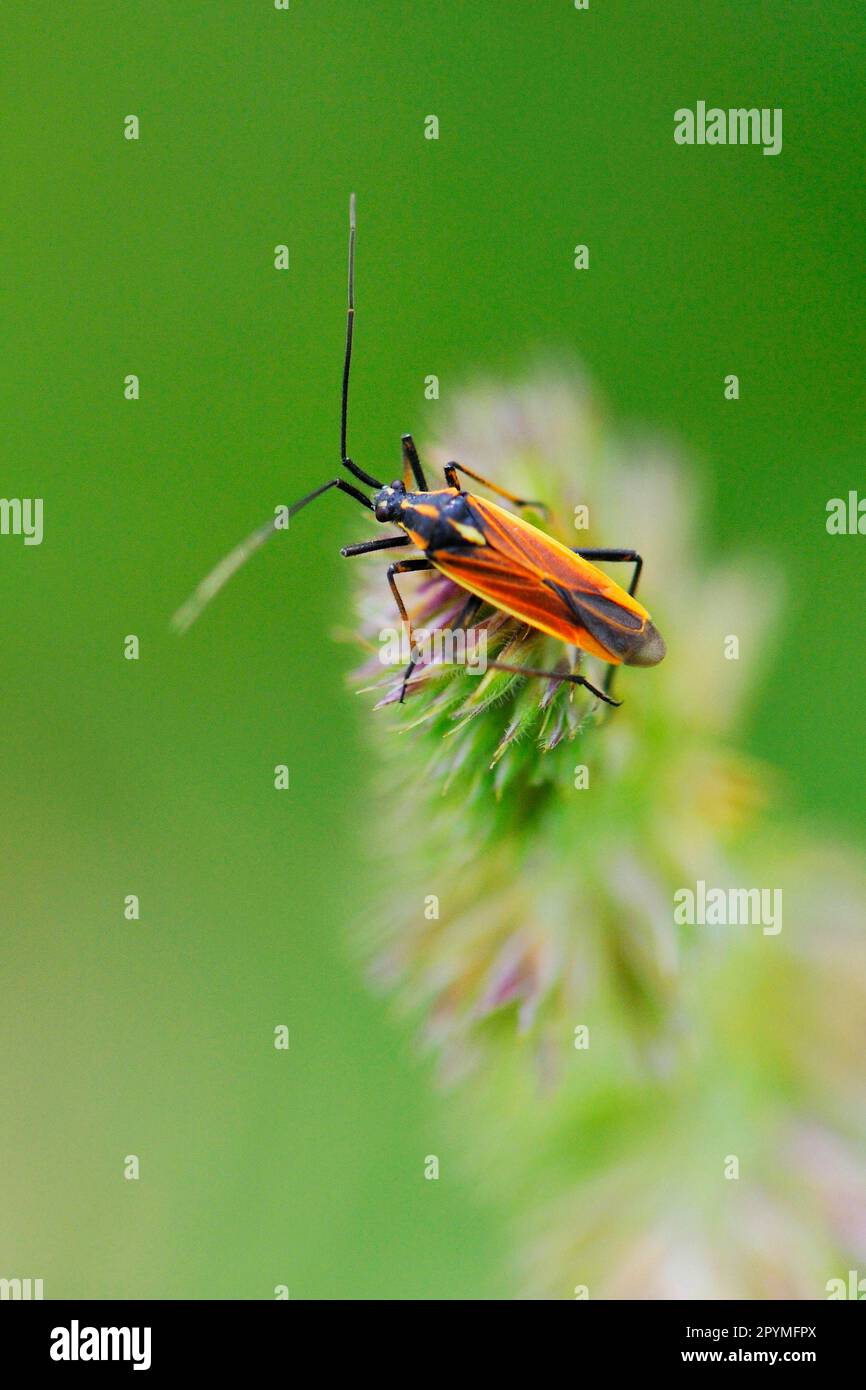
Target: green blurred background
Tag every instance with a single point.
(156, 777)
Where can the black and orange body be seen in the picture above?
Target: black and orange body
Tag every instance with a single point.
(513, 566)
(495, 555)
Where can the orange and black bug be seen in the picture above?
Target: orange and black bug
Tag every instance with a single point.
(496, 556)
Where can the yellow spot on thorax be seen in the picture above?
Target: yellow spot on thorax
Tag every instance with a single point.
(469, 533)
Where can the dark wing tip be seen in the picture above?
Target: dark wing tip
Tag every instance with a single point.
(649, 650)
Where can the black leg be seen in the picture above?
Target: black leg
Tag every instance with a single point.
(614, 556)
(569, 676)
(628, 556)
(367, 547)
(464, 619)
(452, 469)
(406, 567)
(412, 465)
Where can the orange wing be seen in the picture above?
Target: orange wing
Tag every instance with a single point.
(540, 581)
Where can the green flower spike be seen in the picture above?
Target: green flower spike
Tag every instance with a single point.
(560, 827)
(663, 1110)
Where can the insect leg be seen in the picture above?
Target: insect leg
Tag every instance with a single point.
(464, 619)
(412, 464)
(367, 547)
(231, 563)
(406, 567)
(614, 556)
(570, 676)
(452, 469)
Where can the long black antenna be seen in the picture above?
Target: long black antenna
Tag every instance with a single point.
(350, 326)
(231, 563)
(347, 360)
